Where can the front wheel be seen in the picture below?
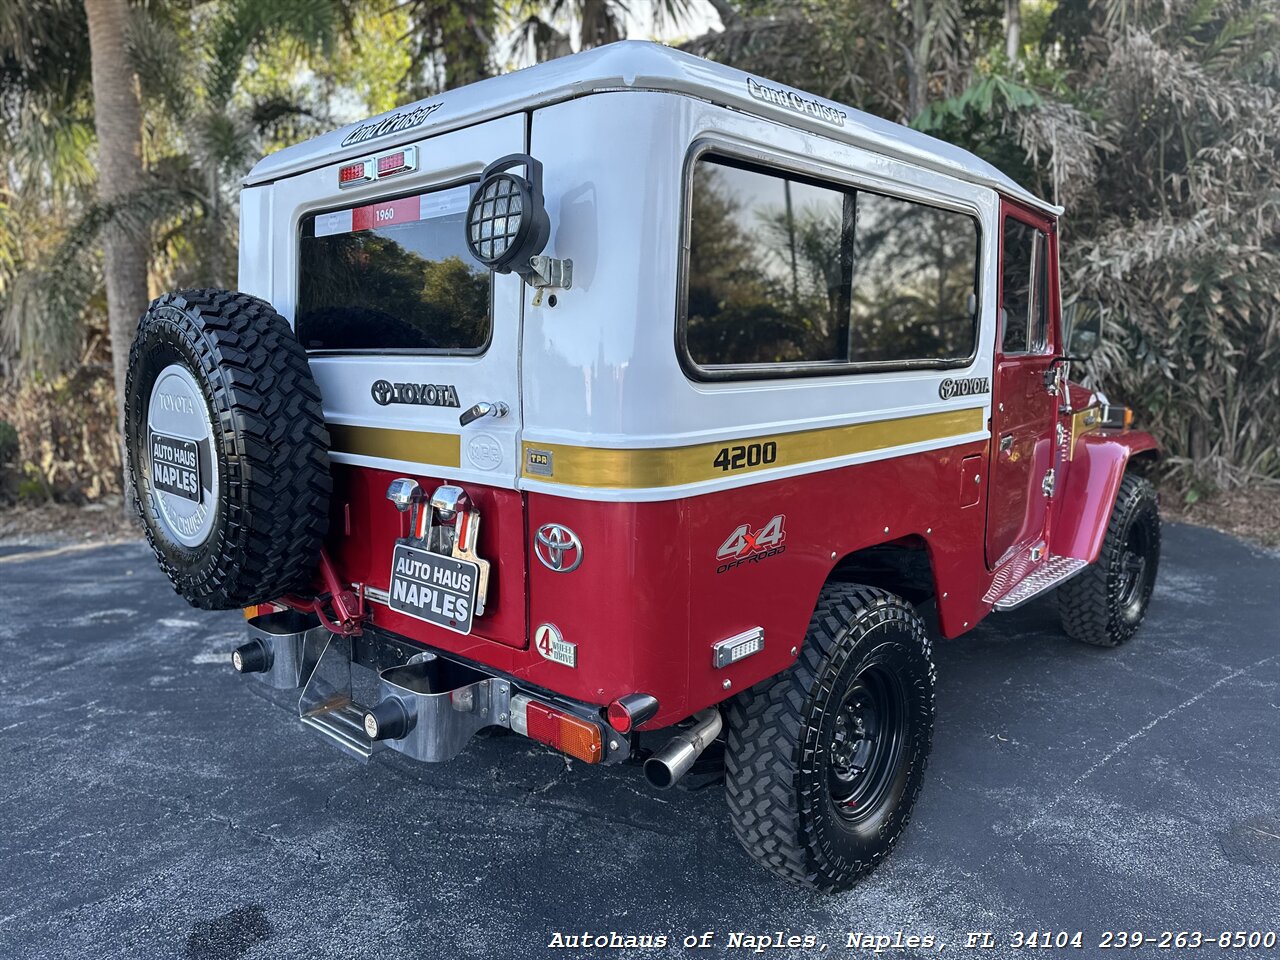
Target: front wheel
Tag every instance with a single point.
(824, 762)
(1106, 604)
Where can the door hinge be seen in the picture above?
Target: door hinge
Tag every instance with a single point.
(1047, 484)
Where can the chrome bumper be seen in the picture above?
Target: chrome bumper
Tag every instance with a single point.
(420, 703)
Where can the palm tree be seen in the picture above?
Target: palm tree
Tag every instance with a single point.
(118, 119)
(598, 22)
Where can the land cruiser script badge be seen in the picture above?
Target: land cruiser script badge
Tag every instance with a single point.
(967, 387)
(423, 394)
(397, 121)
(793, 101)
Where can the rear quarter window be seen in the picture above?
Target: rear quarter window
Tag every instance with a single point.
(787, 275)
(393, 276)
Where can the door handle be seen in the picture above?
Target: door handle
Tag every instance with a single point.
(1006, 443)
(483, 409)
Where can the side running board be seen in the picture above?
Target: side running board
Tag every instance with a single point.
(1043, 577)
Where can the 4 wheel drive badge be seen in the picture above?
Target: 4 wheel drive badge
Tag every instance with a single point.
(747, 546)
(552, 646)
(422, 394)
(558, 548)
(964, 387)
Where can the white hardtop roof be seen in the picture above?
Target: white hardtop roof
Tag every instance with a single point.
(636, 65)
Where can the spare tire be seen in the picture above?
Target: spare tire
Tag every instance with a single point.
(227, 448)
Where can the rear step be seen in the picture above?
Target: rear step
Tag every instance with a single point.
(1042, 578)
(427, 707)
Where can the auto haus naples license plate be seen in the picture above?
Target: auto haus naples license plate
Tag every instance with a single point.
(433, 587)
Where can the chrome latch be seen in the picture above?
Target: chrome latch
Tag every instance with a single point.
(1047, 484)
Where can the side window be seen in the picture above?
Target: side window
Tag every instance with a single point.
(783, 271)
(1024, 275)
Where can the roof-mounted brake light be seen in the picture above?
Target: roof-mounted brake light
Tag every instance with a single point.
(403, 160)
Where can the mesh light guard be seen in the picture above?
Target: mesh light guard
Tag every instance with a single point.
(507, 222)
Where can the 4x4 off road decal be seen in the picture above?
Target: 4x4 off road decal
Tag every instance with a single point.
(745, 546)
(175, 466)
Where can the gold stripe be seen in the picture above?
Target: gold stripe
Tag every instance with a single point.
(674, 466)
(415, 446)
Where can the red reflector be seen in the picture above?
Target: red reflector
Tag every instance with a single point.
(619, 717)
(352, 172)
(564, 732)
(391, 163)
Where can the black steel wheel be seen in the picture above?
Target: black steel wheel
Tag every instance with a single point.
(1106, 604)
(824, 762)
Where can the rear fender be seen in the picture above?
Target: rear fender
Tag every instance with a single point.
(1092, 481)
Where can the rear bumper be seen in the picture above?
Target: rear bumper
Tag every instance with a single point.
(378, 691)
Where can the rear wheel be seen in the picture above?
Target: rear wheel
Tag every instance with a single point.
(227, 448)
(824, 762)
(1106, 604)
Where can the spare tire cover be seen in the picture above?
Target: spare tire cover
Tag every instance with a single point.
(227, 448)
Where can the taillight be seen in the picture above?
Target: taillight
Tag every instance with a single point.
(401, 161)
(631, 711)
(357, 172)
(563, 731)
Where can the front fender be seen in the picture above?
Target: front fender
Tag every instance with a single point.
(1092, 480)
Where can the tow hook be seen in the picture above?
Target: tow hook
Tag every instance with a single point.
(674, 760)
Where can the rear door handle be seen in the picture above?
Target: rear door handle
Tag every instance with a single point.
(1006, 443)
(498, 409)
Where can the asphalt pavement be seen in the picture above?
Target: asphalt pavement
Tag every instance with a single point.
(153, 804)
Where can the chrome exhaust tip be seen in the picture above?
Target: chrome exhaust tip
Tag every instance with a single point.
(665, 768)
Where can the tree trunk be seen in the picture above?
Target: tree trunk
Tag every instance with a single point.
(118, 119)
(1013, 29)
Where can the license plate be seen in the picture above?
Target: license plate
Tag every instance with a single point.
(433, 587)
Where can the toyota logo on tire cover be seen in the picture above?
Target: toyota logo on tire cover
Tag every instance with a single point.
(558, 548)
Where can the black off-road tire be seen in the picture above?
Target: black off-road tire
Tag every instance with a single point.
(1104, 605)
(267, 446)
(782, 742)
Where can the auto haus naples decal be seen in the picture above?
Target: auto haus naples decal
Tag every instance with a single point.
(746, 546)
(175, 466)
(433, 587)
(422, 394)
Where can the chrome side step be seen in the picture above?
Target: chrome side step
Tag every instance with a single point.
(1044, 577)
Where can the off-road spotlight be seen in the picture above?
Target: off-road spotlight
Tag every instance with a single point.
(506, 221)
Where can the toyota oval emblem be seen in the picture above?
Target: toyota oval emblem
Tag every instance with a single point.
(382, 392)
(558, 548)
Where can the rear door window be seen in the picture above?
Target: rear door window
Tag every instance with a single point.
(393, 276)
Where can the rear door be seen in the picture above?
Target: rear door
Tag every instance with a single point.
(405, 332)
(404, 329)
(1024, 414)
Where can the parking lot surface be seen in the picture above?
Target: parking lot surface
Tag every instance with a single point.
(155, 804)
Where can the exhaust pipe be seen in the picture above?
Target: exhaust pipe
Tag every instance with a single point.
(674, 760)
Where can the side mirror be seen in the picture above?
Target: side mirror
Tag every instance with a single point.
(1082, 328)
